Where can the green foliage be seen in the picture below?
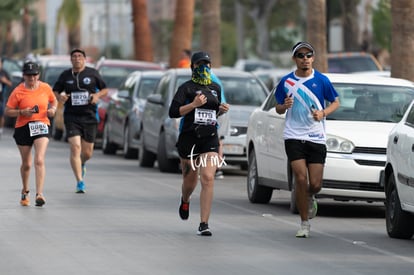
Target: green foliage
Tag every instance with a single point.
(284, 27)
(10, 9)
(381, 24)
(228, 42)
(70, 13)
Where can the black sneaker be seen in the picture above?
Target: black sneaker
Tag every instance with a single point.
(203, 230)
(184, 209)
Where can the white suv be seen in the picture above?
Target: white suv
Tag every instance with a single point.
(399, 178)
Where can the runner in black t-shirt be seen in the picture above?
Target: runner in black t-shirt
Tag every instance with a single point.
(80, 88)
(199, 103)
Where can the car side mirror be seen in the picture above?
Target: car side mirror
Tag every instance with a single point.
(156, 99)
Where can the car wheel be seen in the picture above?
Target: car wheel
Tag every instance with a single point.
(256, 192)
(129, 153)
(146, 158)
(399, 223)
(293, 208)
(108, 148)
(165, 164)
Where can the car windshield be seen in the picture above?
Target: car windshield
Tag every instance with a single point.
(147, 86)
(239, 90)
(243, 91)
(51, 74)
(114, 76)
(371, 102)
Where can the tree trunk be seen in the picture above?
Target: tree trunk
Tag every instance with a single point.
(316, 32)
(9, 39)
(350, 25)
(260, 13)
(183, 30)
(142, 32)
(74, 37)
(402, 13)
(239, 9)
(27, 38)
(210, 31)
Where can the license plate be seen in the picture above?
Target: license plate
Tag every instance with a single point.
(232, 149)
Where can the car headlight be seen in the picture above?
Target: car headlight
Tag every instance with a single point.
(339, 145)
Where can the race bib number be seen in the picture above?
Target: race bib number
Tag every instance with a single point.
(38, 128)
(205, 117)
(79, 98)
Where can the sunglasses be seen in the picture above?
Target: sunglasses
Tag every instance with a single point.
(302, 55)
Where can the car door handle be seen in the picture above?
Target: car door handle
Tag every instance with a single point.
(395, 140)
(412, 148)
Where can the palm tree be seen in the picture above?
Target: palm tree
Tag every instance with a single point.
(10, 10)
(316, 32)
(142, 32)
(71, 13)
(210, 30)
(183, 29)
(402, 13)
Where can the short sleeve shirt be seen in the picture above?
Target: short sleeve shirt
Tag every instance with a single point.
(79, 87)
(309, 93)
(22, 98)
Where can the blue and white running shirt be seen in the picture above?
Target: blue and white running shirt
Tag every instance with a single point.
(308, 93)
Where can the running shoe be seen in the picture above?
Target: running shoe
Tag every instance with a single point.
(219, 175)
(83, 170)
(25, 201)
(184, 209)
(313, 207)
(203, 230)
(40, 200)
(304, 230)
(80, 187)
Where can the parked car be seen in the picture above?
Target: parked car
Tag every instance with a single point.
(14, 70)
(399, 178)
(50, 71)
(244, 92)
(356, 141)
(160, 133)
(271, 77)
(114, 72)
(122, 125)
(352, 62)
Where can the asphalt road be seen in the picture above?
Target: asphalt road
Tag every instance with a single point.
(127, 223)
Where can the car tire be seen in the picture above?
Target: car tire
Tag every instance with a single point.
(164, 163)
(256, 192)
(146, 158)
(108, 148)
(399, 223)
(129, 153)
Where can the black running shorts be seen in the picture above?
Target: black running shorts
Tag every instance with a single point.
(189, 144)
(87, 131)
(301, 149)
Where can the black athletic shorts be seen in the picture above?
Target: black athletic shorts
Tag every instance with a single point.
(301, 149)
(87, 131)
(22, 136)
(188, 142)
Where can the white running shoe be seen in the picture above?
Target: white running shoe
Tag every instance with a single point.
(304, 230)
